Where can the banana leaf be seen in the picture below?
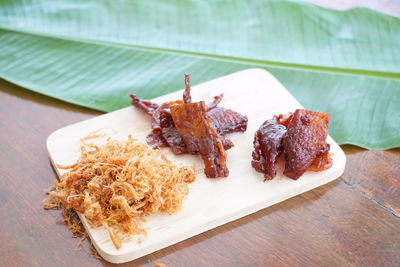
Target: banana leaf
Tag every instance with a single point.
(93, 53)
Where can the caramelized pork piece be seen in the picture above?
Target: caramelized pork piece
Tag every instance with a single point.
(304, 139)
(267, 147)
(227, 121)
(199, 134)
(300, 137)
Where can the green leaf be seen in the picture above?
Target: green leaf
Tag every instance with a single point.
(93, 53)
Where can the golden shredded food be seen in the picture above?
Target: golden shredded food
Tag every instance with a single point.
(116, 184)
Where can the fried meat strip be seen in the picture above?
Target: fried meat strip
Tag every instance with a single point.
(303, 141)
(267, 147)
(187, 98)
(155, 139)
(226, 142)
(199, 134)
(164, 133)
(216, 101)
(194, 128)
(144, 105)
(227, 121)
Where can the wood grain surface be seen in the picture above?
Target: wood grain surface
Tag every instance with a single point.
(354, 220)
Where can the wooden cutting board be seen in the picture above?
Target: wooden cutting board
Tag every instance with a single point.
(211, 202)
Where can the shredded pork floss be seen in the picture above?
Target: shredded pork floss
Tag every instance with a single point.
(118, 183)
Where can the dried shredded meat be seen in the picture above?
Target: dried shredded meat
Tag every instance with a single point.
(117, 183)
(200, 135)
(299, 137)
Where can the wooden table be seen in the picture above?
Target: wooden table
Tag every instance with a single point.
(354, 220)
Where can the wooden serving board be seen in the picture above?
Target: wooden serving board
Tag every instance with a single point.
(211, 202)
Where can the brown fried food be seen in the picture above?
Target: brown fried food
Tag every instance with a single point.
(227, 121)
(155, 139)
(226, 142)
(199, 134)
(144, 105)
(216, 101)
(164, 133)
(267, 147)
(187, 98)
(171, 134)
(305, 147)
(163, 108)
(305, 137)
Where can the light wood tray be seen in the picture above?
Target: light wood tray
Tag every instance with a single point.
(211, 202)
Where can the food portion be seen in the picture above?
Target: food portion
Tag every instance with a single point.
(118, 183)
(267, 147)
(304, 140)
(216, 122)
(299, 137)
(200, 136)
(227, 121)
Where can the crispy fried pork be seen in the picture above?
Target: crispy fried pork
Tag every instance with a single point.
(216, 122)
(299, 137)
